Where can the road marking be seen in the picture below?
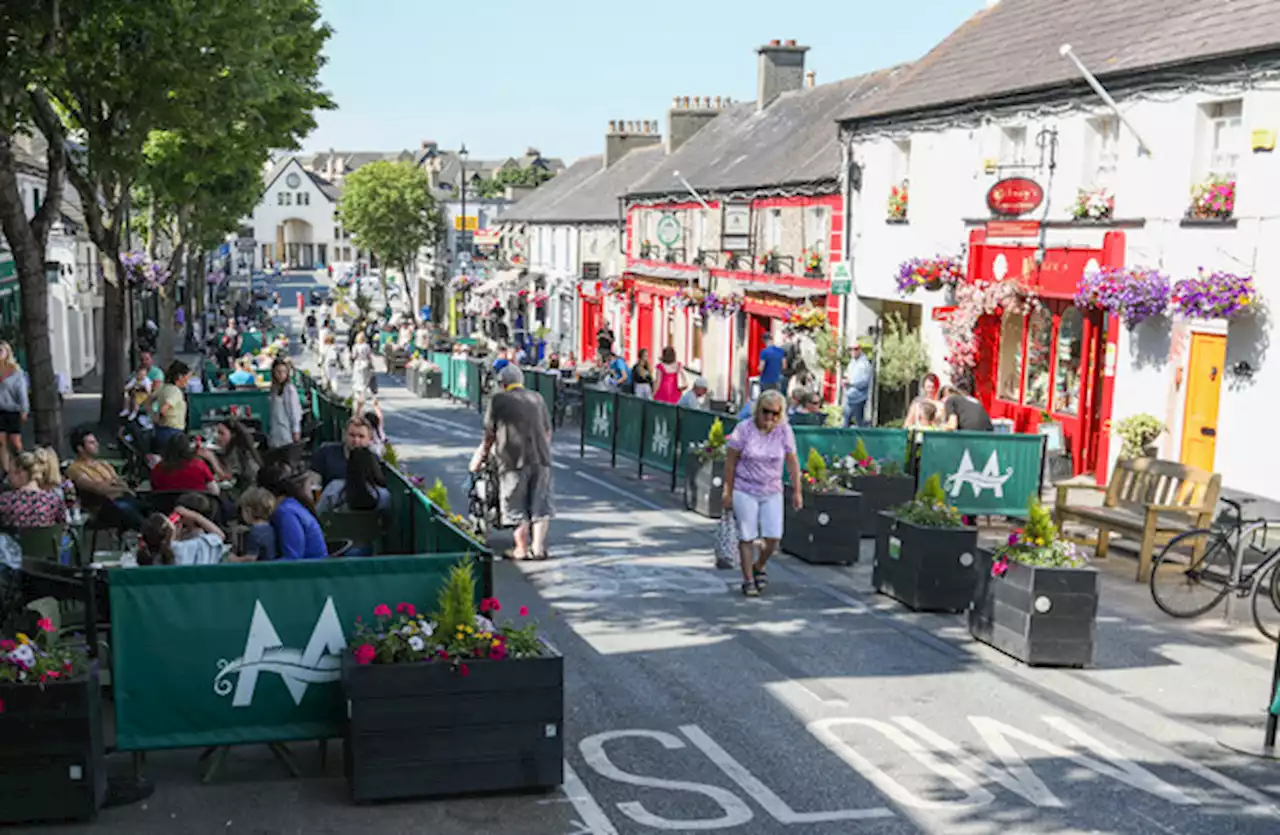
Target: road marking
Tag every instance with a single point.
(619, 491)
(593, 817)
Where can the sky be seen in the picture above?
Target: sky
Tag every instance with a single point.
(503, 76)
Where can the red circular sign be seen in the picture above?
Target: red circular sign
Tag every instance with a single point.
(1015, 196)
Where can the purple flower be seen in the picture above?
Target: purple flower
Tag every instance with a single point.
(919, 272)
(1013, 539)
(1216, 295)
(1133, 294)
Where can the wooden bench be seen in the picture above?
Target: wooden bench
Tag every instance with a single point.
(1150, 499)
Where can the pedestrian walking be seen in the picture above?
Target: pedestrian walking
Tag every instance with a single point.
(15, 405)
(772, 364)
(855, 399)
(517, 429)
(758, 450)
(361, 372)
(286, 407)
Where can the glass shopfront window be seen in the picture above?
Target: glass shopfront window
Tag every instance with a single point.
(1066, 378)
(1010, 370)
(1039, 348)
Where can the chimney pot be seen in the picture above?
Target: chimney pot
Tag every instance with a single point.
(685, 101)
(717, 102)
(706, 102)
(697, 102)
(791, 42)
(812, 78)
(775, 42)
(613, 126)
(677, 102)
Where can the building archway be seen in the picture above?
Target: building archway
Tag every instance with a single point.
(296, 247)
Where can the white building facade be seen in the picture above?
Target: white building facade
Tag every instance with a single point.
(296, 224)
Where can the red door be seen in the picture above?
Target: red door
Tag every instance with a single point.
(757, 327)
(591, 318)
(644, 326)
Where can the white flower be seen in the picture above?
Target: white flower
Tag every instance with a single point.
(23, 654)
(428, 628)
(417, 644)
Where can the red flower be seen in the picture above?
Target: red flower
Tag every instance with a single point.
(406, 609)
(489, 604)
(524, 611)
(1000, 567)
(383, 611)
(1, 705)
(444, 656)
(7, 645)
(498, 653)
(464, 670)
(365, 654)
(44, 624)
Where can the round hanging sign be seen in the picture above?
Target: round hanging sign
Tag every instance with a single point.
(668, 230)
(1015, 196)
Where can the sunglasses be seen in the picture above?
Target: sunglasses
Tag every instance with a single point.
(771, 412)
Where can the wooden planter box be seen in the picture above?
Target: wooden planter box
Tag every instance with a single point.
(1044, 617)
(928, 569)
(704, 487)
(826, 530)
(51, 759)
(425, 730)
(880, 492)
(429, 384)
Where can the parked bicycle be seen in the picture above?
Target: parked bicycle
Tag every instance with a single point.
(1198, 569)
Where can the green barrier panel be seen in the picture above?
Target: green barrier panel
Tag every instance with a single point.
(460, 378)
(984, 473)
(696, 423)
(881, 444)
(475, 391)
(544, 383)
(630, 426)
(214, 405)
(258, 655)
(446, 369)
(401, 538)
(250, 343)
(597, 418)
(661, 436)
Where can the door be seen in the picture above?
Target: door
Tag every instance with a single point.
(757, 327)
(1204, 384)
(644, 326)
(591, 319)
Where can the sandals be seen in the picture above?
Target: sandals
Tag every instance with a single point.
(762, 579)
(750, 590)
(510, 554)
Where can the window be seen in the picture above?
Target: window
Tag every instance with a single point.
(304, 199)
(772, 229)
(1102, 155)
(816, 229)
(1066, 376)
(699, 232)
(1039, 346)
(280, 199)
(1013, 146)
(337, 233)
(1225, 138)
(1010, 371)
(900, 164)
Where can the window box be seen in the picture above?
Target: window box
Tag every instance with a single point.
(896, 221)
(1208, 223)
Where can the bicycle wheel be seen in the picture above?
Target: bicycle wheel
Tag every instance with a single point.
(1266, 603)
(1192, 573)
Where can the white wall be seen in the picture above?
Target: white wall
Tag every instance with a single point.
(319, 213)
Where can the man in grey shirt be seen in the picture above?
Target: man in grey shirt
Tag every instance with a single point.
(518, 430)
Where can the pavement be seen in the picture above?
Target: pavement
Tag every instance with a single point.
(818, 709)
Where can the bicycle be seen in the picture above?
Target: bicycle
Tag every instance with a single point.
(1197, 570)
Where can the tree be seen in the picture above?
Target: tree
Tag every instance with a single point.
(904, 358)
(123, 69)
(28, 39)
(529, 177)
(390, 211)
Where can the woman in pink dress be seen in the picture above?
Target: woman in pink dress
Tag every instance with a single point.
(668, 390)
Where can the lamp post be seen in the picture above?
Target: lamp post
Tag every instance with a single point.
(462, 189)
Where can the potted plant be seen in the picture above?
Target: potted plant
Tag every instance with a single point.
(882, 484)
(1094, 205)
(1138, 434)
(925, 554)
(411, 372)
(1215, 295)
(769, 262)
(825, 531)
(929, 273)
(704, 473)
(430, 380)
(1035, 599)
(812, 263)
(1214, 199)
(51, 759)
(1132, 293)
(421, 690)
(898, 202)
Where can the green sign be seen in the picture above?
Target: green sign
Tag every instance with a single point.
(597, 418)
(250, 653)
(694, 426)
(661, 444)
(841, 279)
(215, 405)
(629, 426)
(668, 230)
(882, 444)
(982, 472)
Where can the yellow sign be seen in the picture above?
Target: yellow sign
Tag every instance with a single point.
(472, 222)
(1264, 140)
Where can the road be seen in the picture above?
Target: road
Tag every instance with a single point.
(819, 708)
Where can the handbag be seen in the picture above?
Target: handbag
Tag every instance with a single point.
(726, 541)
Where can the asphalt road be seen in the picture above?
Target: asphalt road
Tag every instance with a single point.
(819, 708)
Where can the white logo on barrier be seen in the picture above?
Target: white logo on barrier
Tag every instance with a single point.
(600, 423)
(264, 652)
(989, 479)
(661, 438)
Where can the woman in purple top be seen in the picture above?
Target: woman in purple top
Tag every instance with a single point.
(753, 484)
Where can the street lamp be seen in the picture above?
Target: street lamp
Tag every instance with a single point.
(462, 188)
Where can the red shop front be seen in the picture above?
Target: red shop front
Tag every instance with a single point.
(1058, 359)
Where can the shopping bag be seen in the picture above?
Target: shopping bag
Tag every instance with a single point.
(726, 541)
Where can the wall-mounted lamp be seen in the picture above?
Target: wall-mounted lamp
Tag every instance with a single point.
(1243, 370)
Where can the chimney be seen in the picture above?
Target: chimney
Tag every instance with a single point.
(427, 147)
(685, 119)
(625, 136)
(811, 79)
(781, 70)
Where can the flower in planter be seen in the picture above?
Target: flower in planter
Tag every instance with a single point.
(1133, 294)
(1214, 199)
(1137, 432)
(812, 262)
(713, 448)
(722, 304)
(1036, 544)
(817, 476)
(39, 660)
(1096, 204)
(929, 273)
(1216, 295)
(806, 317)
(929, 509)
(898, 202)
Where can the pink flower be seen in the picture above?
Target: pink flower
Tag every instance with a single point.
(365, 654)
(1, 705)
(499, 652)
(489, 604)
(464, 670)
(444, 656)
(1000, 567)
(406, 609)
(44, 624)
(524, 611)
(7, 645)
(383, 611)
(494, 605)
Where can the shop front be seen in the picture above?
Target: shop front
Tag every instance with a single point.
(1050, 362)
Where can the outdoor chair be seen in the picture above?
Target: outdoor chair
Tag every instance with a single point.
(337, 547)
(41, 543)
(361, 528)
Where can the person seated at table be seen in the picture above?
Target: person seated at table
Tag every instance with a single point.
(696, 396)
(243, 376)
(49, 471)
(298, 532)
(183, 538)
(236, 457)
(256, 506)
(98, 483)
(25, 505)
(180, 469)
(330, 460)
(363, 488)
(808, 410)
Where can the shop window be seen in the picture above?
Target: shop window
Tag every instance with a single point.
(1010, 372)
(817, 229)
(1066, 376)
(1039, 348)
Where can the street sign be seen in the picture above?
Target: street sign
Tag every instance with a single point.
(1015, 196)
(472, 222)
(1013, 229)
(668, 231)
(841, 279)
(466, 239)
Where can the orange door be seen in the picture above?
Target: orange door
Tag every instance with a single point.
(1204, 383)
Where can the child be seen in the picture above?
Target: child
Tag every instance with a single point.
(160, 543)
(256, 506)
(137, 392)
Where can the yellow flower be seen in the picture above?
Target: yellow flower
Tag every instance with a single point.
(470, 630)
(23, 639)
(496, 643)
(1039, 541)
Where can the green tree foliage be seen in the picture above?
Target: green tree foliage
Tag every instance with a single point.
(530, 176)
(903, 357)
(389, 209)
(456, 606)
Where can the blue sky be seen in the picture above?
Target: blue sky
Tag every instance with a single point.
(503, 75)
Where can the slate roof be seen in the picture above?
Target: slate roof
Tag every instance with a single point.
(1013, 47)
(596, 199)
(544, 197)
(792, 141)
(327, 188)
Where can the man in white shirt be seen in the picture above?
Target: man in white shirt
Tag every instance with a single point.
(696, 397)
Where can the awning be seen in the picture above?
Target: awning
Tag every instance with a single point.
(784, 290)
(486, 237)
(669, 273)
(502, 278)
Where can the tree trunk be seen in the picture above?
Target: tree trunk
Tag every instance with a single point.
(114, 338)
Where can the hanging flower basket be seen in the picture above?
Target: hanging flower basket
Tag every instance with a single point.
(687, 297)
(461, 282)
(898, 202)
(722, 305)
(1216, 295)
(540, 300)
(614, 287)
(973, 301)
(1133, 294)
(929, 273)
(806, 317)
(1098, 204)
(141, 273)
(1214, 199)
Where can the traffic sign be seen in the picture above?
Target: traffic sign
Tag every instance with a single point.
(841, 279)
